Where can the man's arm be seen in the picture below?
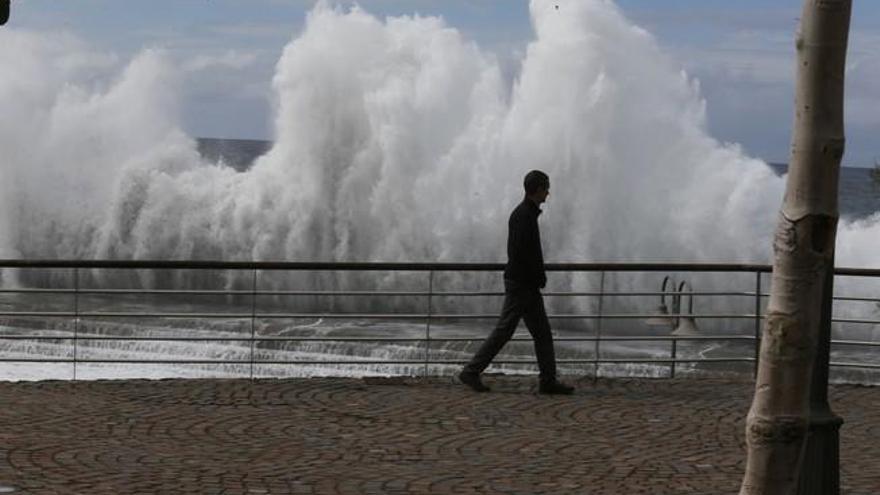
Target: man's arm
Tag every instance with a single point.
(536, 256)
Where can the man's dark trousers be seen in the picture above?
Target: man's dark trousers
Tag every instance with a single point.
(520, 302)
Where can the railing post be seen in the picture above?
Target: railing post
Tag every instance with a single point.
(75, 318)
(428, 322)
(757, 321)
(253, 318)
(598, 327)
(676, 313)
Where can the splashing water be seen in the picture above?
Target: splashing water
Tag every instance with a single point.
(396, 140)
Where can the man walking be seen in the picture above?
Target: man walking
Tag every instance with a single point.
(524, 277)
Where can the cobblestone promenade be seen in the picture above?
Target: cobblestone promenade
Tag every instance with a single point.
(395, 436)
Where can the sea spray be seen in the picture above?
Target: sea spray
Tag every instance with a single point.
(395, 140)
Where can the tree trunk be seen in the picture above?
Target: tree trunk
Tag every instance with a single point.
(803, 254)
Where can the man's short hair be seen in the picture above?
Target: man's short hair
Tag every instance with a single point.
(535, 180)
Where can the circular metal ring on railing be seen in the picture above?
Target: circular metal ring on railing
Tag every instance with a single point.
(685, 325)
(662, 318)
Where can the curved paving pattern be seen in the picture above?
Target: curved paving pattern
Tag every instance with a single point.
(387, 436)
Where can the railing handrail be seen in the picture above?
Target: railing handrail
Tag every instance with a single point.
(376, 266)
(616, 266)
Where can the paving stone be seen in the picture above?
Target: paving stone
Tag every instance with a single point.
(351, 436)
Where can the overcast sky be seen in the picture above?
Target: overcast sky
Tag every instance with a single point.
(740, 50)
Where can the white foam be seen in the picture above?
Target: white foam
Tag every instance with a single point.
(396, 139)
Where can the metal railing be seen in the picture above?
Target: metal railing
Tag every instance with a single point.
(252, 312)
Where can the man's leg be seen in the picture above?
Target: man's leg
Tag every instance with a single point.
(510, 315)
(539, 326)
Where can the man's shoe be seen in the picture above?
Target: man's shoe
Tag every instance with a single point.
(473, 381)
(555, 388)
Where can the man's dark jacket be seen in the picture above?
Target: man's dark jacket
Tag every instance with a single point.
(525, 260)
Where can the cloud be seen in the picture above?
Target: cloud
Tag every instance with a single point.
(254, 30)
(230, 59)
(862, 74)
(717, 18)
(748, 79)
(754, 57)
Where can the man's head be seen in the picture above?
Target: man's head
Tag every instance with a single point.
(537, 186)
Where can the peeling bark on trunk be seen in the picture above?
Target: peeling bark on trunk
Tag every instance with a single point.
(803, 253)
